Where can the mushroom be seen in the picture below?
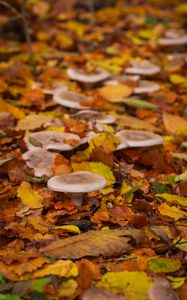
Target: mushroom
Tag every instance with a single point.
(94, 115)
(122, 78)
(53, 140)
(146, 87)
(143, 67)
(50, 91)
(173, 38)
(70, 99)
(82, 76)
(77, 183)
(139, 138)
(40, 160)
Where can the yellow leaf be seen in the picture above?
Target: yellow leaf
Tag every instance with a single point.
(71, 228)
(177, 79)
(105, 141)
(33, 121)
(78, 28)
(173, 198)
(58, 129)
(28, 196)
(64, 268)
(135, 123)
(171, 211)
(125, 187)
(115, 93)
(174, 123)
(7, 107)
(164, 264)
(68, 288)
(134, 285)
(181, 9)
(95, 167)
(181, 244)
(176, 282)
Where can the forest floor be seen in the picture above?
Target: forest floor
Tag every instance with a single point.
(102, 91)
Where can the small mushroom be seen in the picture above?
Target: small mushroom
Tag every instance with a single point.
(122, 78)
(94, 115)
(53, 140)
(82, 76)
(77, 183)
(40, 160)
(70, 99)
(143, 67)
(173, 38)
(50, 91)
(146, 87)
(139, 138)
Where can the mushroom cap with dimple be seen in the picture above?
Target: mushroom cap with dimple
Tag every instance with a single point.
(143, 67)
(81, 76)
(77, 182)
(51, 140)
(42, 161)
(95, 115)
(139, 138)
(146, 87)
(71, 99)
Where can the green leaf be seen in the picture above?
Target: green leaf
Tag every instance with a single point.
(9, 297)
(137, 103)
(39, 284)
(34, 142)
(2, 279)
(165, 265)
(184, 144)
(159, 188)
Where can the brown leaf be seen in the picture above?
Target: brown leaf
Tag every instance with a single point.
(94, 243)
(173, 123)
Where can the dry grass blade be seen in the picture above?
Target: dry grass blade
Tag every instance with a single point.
(94, 243)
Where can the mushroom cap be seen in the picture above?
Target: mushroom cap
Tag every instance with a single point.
(95, 115)
(80, 75)
(139, 138)
(40, 160)
(70, 99)
(143, 67)
(77, 182)
(172, 38)
(50, 91)
(51, 140)
(146, 87)
(117, 79)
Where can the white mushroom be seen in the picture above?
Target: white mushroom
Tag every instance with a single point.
(143, 67)
(173, 38)
(77, 182)
(70, 99)
(139, 138)
(146, 87)
(97, 116)
(50, 91)
(81, 76)
(42, 161)
(49, 139)
(118, 79)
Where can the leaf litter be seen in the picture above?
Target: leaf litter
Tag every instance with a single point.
(129, 239)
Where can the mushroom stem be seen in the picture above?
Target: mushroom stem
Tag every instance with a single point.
(77, 199)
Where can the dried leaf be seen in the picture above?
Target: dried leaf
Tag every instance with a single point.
(174, 124)
(63, 268)
(93, 243)
(115, 93)
(173, 198)
(28, 196)
(135, 123)
(171, 211)
(33, 121)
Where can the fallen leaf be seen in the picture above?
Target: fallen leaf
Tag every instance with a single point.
(93, 243)
(171, 211)
(63, 268)
(133, 285)
(164, 264)
(135, 123)
(28, 196)
(115, 93)
(16, 112)
(173, 198)
(174, 124)
(33, 121)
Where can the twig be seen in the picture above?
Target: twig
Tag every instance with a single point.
(22, 16)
